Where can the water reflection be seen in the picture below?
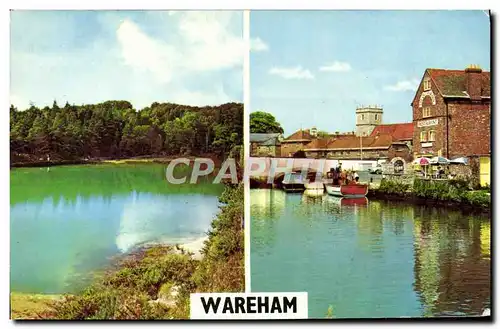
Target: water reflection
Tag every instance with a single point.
(370, 258)
(59, 236)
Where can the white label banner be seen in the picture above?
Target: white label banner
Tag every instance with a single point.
(249, 306)
(428, 123)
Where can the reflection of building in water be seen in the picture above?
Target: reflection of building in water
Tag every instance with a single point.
(266, 203)
(485, 239)
(451, 273)
(427, 264)
(370, 226)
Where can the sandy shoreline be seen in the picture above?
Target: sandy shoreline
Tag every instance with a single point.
(195, 247)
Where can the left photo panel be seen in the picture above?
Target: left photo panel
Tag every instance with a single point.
(126, 162)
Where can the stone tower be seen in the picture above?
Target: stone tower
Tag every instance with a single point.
(367, 118)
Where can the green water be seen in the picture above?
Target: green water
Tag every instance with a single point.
(379, 259)
(68, 222)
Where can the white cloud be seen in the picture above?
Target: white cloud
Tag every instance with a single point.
(336, 67)
(404, 85)
(292, 72)
(257, 44)
(180, 58)
(207, 44)
(145, 53)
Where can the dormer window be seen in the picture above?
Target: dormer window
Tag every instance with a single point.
(427, 84)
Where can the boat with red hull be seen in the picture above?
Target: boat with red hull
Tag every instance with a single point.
(347, 191)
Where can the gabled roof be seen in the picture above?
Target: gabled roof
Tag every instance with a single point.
(265, 139)
(299, 136)
(451, 83)
(399, 131)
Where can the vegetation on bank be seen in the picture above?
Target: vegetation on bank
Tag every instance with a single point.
(156, 282)
(457, 191)
(115, 130)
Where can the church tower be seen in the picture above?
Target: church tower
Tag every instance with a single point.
(367, 118)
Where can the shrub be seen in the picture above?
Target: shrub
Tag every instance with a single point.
(393, 187)
(453, 190)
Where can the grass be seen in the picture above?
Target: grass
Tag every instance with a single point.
(32, 306)
(156, 282)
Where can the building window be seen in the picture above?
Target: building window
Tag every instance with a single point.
(426, 112)
(362, 116)
(423, 136)
(432, 136)
(376, 116)
(427, 84)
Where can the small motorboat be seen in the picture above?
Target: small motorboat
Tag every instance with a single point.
(293, 182)
(352, 190)
(314, 184)
(347, 191)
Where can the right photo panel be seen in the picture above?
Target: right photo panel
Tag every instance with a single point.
(370, 145)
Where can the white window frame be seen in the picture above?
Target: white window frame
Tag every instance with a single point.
(427, 84)
(431, 137)
(426, 112)
(423, 133)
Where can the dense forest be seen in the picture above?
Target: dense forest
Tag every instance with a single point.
(114, 129)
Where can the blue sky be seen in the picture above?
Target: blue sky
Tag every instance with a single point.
(316, 67)
(191, 58)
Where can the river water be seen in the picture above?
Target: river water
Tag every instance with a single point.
(69, 221)
(370, 259)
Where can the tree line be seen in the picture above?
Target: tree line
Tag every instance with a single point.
(114, 129)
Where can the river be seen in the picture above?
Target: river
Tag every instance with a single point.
(67, 222)
(370, 259)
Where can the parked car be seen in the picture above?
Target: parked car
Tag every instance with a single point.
(376, 171)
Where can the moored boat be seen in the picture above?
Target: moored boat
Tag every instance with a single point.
(293, 182)
(347, 191)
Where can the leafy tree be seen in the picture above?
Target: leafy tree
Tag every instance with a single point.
(263, 122)
(114, 129)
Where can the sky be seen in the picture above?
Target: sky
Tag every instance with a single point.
(83, 57)
(315, 67)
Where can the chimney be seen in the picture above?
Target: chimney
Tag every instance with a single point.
(473, 81)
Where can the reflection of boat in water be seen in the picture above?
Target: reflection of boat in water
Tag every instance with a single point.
(347, 191)
(314, 186)
(293, 182)
(313, 192)
(348, 201)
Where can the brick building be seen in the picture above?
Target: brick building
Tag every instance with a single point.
(268, 145)
(296, 142)
(371, 140)
(386, 142)
(451, 116)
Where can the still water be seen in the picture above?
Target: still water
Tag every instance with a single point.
(67, 222)
(367, 259)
